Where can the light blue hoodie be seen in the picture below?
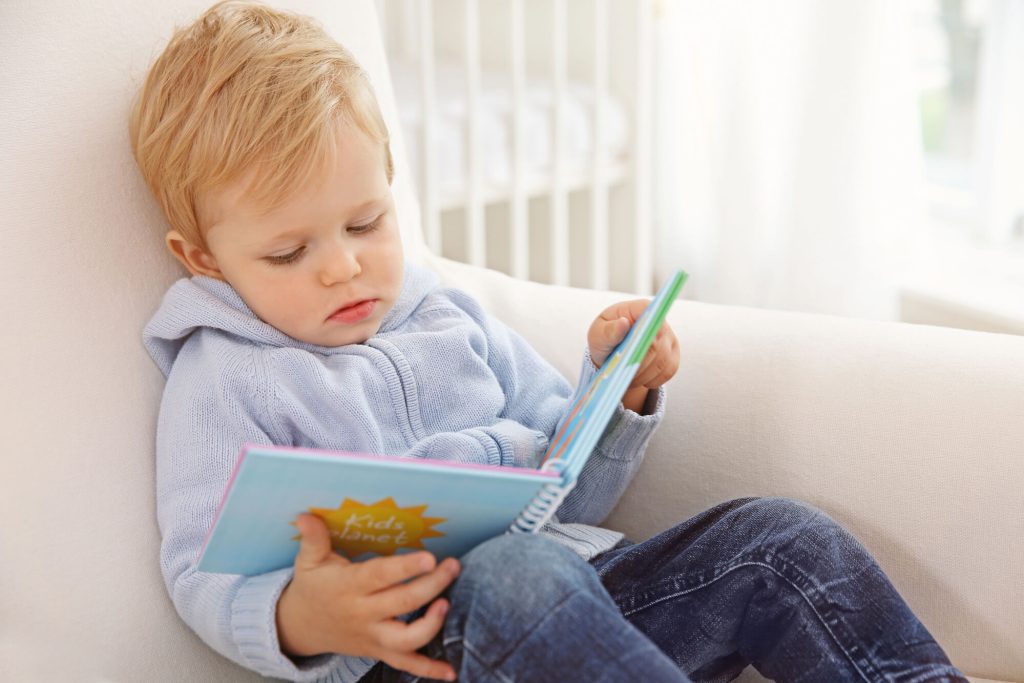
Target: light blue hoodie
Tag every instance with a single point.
(440, 379)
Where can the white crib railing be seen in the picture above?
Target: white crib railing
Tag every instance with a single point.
(583, 223)
(518, 207)
(599, 182)
(431, 219)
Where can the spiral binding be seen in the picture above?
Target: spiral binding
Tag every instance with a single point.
(541, 508)
(544, 503)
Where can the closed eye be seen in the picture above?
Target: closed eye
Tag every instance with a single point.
(369, 227)
(287, 258)
(297, 254)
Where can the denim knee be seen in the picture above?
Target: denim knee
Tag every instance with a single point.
(777, 511)
(522, 573)
(789, 512)
(526, 608)
(511, 562)
(797, 530)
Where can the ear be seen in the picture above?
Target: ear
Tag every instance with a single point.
(195, 258)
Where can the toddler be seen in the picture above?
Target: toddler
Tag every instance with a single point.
(303, 325)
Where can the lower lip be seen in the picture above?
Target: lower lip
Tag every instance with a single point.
(354, 314)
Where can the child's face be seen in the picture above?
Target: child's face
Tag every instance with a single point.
(328, 247)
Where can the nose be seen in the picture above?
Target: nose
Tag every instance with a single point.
(339, 265)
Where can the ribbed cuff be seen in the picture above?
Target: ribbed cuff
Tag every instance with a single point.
(583, 539)
(627, 433)
(254, 628)
(492, 444)
(519, 446)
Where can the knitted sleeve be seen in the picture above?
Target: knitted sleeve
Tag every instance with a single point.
(213, 402)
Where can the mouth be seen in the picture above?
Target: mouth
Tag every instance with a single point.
(352, 313)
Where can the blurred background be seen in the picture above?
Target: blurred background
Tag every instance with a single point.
(859, 158)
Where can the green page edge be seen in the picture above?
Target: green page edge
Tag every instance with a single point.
(659, 317)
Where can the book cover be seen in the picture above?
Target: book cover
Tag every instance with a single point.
(372, 505)
(381, 505)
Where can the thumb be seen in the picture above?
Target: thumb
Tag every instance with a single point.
(615, 331)
(604, 336)
(315, 545)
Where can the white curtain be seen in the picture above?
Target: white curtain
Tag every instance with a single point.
(789, 163)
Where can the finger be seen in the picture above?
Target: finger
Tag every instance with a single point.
(665, 335)
(670, 336)
(642, 371)
(625, 309)
(646, 363)
(662, 341)
(419, 665)
(381, 573)
(404, 598)
(315, 544)
(397, 635)
(663, 367)
(603, 336)
(614, 331)
(655, 362)
(652, 372)
(611, 326)
(671, 362)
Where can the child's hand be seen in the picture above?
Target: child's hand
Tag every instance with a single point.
(658, 366)
(334, 605)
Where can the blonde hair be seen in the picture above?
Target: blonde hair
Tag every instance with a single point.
(246, 87)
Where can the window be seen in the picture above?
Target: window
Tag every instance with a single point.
(970, 66)
(948, 44)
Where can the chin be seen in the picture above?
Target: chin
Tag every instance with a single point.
(358, 336)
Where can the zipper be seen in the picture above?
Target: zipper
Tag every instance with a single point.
(402, 387)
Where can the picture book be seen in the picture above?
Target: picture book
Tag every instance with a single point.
(382, 505)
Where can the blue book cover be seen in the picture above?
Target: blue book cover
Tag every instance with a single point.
(372, 506)
(379, 505)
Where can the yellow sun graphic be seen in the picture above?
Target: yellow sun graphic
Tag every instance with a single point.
(380, 527)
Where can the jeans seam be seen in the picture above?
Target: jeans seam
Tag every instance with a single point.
(491, 668)
(772, 569)
(938, 677)
(477, 656)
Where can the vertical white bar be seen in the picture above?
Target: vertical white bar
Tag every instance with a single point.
(643, 274)
(430, 213)
(407, 29)
(599, 171)
(385, 24)
(518, 206)
(476, 246)
(999, 159)
(559, 198)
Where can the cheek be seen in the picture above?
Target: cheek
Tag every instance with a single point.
(289, 295)
(275, 298)
(388, 255)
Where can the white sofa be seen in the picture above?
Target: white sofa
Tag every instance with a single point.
(911, 436)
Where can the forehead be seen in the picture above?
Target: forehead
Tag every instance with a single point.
(352, 176)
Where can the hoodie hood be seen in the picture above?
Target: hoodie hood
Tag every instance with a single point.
(200, 301)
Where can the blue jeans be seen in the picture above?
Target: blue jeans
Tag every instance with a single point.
(767, 582)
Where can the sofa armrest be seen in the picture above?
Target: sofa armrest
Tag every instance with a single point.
(910, 436)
